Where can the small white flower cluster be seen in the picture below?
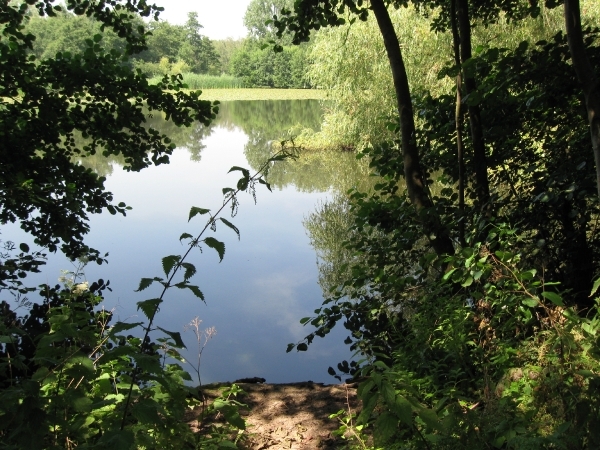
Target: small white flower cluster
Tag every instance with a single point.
(80, 288)
(68, 279)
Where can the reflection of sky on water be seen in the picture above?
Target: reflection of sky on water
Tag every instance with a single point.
(255, 297)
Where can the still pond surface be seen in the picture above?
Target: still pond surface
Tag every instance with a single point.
(266, 282)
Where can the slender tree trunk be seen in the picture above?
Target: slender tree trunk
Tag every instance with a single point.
(586, 75)
(413, 172)
(458, 125)
(482, 187)
(582, 274)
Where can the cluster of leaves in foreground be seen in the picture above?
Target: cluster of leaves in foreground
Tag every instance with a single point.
(65, 375)
(474, 350)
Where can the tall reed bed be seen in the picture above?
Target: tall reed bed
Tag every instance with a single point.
(203, 81)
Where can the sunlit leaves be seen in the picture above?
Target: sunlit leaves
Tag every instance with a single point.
(595, 286)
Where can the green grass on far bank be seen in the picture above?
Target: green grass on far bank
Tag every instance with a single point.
(227, 88)
(225, 95)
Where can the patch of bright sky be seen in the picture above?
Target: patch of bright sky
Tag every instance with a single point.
(221, 19)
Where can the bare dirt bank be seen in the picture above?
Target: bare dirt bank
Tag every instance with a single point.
(295, 415)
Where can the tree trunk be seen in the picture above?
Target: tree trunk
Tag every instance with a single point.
(586, 75)
(458, 126)
(413, 172)
(482, 187)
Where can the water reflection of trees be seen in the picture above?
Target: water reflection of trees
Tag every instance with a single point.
(262, 121)
(266, 123)
(327, 228)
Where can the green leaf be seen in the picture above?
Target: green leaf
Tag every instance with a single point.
(185, 236)
(369, 401)
(403, 410)
(146, 411)
(24, 247)
(261, 181)
(82, 404)
(595, 287)
(304, 320)
(82, 362)
(175, 335)
(430, 418)
(290, 347)
(230, 225)
(233, 417)
(245, 172)
(448, 274)
(381, 365)
(531, 302)
(388, 393)
(40, 374)
(196, 291)
(117, 439)
(190, 270)
(553, 297)
(149, 307)
(194, 211)
(242, 184)
(123, 326)
(386, 426)
(145, 282)
(302, 347)
(217, 245)
(168, 262)
(468, 282)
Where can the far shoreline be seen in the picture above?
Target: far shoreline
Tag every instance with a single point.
(226, 95)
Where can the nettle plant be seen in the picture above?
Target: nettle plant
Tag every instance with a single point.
(70, 379)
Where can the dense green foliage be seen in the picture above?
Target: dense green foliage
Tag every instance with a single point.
(177, 49)
(467, 296)
(261, 67)
(170, 49)
(256, 63)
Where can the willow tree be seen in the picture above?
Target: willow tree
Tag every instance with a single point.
(310, 15)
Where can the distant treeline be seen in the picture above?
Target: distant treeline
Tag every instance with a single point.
(183, 49)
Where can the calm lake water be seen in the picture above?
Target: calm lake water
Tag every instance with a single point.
(267, 281)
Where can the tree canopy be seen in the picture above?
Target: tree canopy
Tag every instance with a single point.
(78, 103)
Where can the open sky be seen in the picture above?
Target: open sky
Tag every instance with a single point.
(221, 18)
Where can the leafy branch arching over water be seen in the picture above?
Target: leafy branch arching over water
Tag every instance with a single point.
(68, 379)
(173, 263)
